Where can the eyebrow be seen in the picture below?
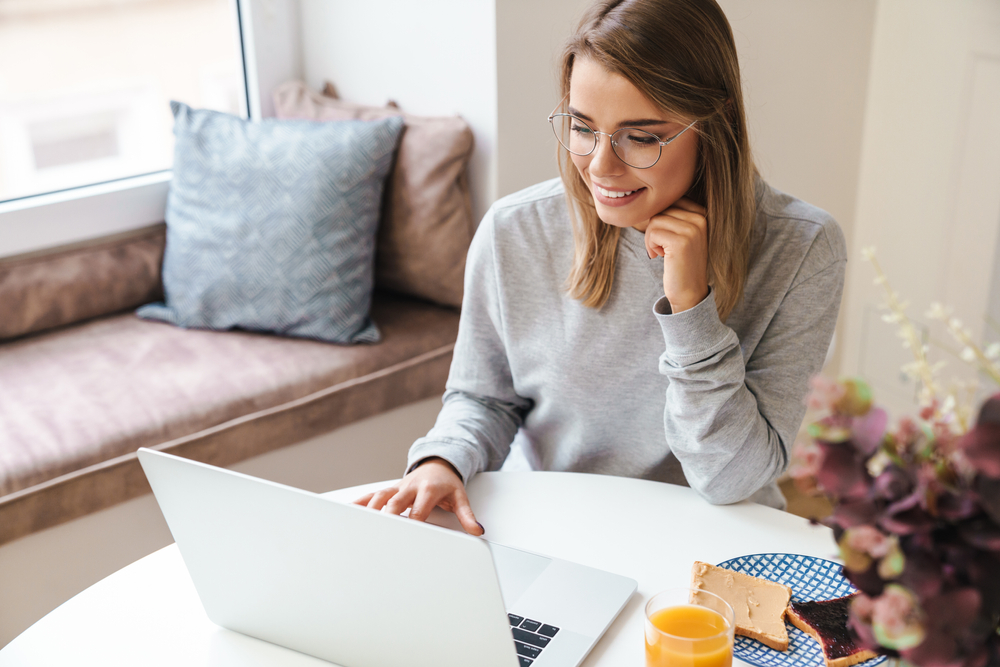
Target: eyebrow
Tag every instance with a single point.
(645, 122)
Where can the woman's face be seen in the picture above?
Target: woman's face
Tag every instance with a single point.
(607, 101)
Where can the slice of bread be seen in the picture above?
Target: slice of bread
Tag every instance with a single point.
(826, 622)
(759, 604)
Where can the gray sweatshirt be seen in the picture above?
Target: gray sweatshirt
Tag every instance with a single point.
(631, 389)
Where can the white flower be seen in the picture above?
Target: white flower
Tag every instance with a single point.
(877, 463)
(868, 252)
(968, 355)
(936, 312)
(880, 280)
(955, 323)
(925, 396)
(891, 318)
(993, 351)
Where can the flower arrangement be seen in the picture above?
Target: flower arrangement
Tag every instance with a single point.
(916, 507)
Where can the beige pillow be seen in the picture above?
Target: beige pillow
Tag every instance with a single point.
(427, 222)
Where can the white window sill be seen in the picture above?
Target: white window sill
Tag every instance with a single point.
(58, 218)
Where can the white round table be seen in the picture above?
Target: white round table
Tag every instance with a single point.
(148, 613)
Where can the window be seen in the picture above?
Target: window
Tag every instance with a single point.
(85, 85)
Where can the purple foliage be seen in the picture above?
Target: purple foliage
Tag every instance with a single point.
(868, 431)
(843, 472)
(935, 494)
(989, 412)
(981, 446)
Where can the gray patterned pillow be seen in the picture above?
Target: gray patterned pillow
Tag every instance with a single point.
(271, 225)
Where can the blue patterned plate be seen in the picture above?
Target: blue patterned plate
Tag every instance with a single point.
(811, 579)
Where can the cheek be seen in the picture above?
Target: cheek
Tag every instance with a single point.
(676, 174)
(687, 161)
(672, 178)
(581, 162)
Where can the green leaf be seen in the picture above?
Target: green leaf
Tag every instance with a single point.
(891, 565)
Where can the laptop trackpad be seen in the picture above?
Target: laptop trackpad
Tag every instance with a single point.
(516, 571)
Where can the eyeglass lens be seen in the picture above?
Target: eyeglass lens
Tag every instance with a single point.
(636, 148)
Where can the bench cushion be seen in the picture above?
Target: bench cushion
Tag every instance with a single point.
(76, 403)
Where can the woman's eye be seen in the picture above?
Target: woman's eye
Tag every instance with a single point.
(643, 139)
(581, 129)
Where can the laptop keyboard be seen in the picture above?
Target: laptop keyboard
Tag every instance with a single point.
(530, 637)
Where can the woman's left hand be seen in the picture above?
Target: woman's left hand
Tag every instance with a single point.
(680, 236)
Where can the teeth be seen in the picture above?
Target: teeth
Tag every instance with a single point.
(612, 194)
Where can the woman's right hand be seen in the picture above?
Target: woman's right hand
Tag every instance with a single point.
(433, 483)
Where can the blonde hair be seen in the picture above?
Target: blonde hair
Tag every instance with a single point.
(681, 55)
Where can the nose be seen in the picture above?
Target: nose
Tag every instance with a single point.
(604, 161)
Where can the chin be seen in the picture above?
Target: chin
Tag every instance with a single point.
(619, 218)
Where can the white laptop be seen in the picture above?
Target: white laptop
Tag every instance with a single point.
(368, 589)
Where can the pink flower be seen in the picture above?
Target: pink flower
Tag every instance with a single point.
(824, 393)
(927, 475)
(896, 618)
(907, 431)
(863, 607)
(963, 467)
(869, 540)
(944, 437)
(807, 458)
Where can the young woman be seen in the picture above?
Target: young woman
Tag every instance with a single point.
(656, 313)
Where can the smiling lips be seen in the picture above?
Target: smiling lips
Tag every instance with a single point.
(615, 197)
(613, 194)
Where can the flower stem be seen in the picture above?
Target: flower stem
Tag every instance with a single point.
(908, 330)
(985, 362)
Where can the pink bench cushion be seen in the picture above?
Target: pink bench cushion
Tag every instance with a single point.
(79, 396)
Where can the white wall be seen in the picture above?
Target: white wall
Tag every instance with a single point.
(434, 57)
(530, 36)
(275, 47)
(929, 187)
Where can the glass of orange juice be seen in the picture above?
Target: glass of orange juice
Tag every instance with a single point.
(689, 628)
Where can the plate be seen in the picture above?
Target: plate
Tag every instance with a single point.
(811, 579)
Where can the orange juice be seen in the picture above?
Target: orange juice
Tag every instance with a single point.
(689, 636)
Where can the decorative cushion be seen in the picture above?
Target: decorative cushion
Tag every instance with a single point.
(271, 225)
(59, 286)
(427, 225)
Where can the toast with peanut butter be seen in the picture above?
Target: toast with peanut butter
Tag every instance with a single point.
(759, 604)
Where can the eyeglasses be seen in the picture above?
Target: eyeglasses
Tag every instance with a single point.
(636, 148)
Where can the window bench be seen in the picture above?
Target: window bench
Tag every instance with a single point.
(88, 382)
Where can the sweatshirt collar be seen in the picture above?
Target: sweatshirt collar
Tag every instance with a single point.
(635, 241)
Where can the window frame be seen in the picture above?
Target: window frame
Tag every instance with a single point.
(53, 219)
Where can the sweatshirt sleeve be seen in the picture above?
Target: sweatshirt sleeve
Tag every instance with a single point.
(731, 422)
(481, 412)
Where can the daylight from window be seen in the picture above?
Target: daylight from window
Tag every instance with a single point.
(85, 85)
